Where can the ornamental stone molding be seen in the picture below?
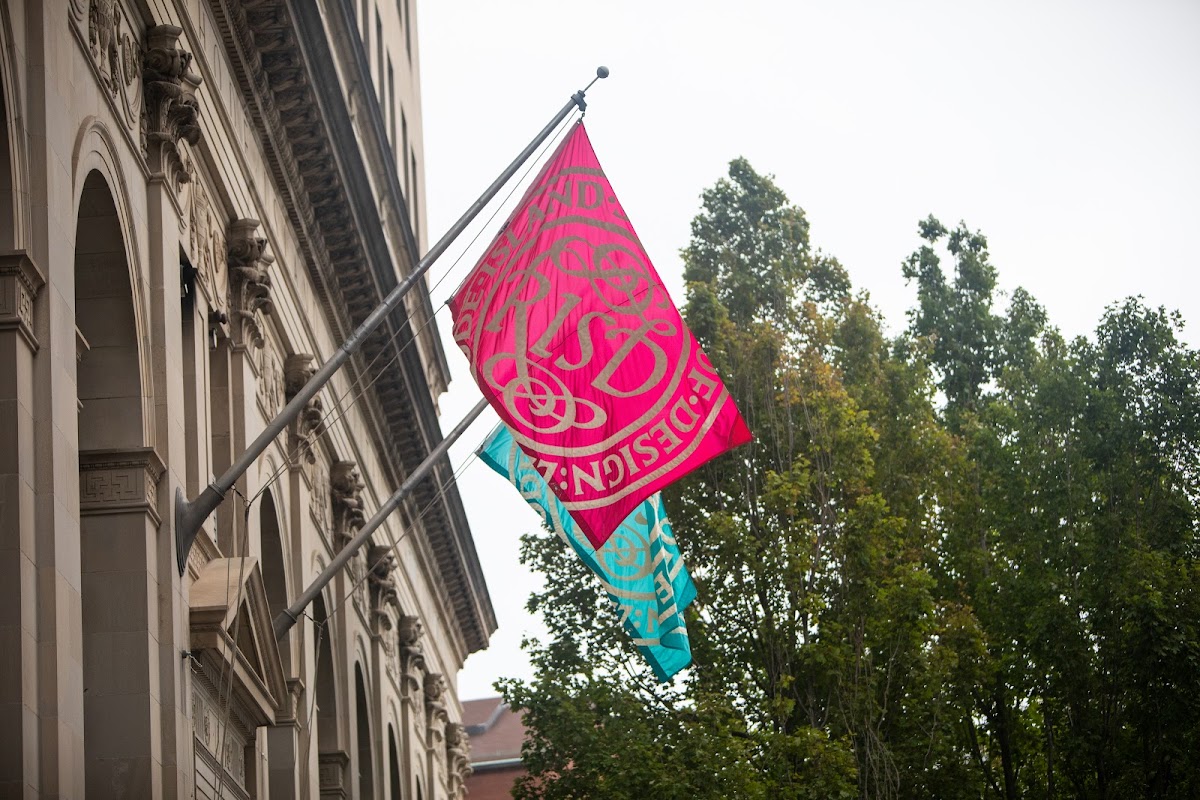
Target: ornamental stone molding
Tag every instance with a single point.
(310, 423)
(20, 282)
(249, 282)
(172, 112)
(119, 482)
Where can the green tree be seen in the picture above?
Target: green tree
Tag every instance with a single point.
(1070, 536)
(960, 563)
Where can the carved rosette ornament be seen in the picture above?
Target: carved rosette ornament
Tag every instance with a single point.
(249, 282)
(172, 113)
(309, 424)
(458, 757)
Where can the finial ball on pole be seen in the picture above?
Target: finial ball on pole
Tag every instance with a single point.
(601, 72)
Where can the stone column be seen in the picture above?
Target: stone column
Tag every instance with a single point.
(20, 282)
(172, 127)
(283, 747)
(119, 521)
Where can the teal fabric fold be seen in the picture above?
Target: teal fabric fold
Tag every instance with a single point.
(639, 566)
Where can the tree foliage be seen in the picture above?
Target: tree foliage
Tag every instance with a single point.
(958, 563)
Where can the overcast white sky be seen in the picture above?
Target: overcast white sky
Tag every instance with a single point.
(1068, 132)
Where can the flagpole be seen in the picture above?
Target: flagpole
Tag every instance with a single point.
(291, 615)
(190, 515)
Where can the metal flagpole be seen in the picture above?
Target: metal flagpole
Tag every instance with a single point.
(190, 515)
(291, 615)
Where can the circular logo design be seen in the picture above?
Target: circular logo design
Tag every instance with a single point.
(568, 325)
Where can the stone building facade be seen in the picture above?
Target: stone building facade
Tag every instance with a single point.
(199, 200)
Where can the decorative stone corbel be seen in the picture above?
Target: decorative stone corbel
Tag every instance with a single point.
(412, 655)
(458, 757)
(172, 113)
(249, 281)
(435, 691)
(346, 497)
(382, 564)
(310, 422)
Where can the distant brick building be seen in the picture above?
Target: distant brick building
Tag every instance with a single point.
(496, 733)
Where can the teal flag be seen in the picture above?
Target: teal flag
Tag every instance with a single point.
(639, 565)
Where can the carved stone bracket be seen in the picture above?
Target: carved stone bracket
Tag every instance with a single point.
(20, 281)
(119, 481)
(435, 703)
(346, 497)
(249, 282)
(172, 113)
(382, 564)
(458, 757)
(412, 661)
(310, 422)
(206, 246)
(409, 632)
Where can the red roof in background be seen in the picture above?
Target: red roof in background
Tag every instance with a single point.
(496, 731)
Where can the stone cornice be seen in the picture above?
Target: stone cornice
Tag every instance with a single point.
(282, 61)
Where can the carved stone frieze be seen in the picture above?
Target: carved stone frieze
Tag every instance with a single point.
(319, 501)
(310, 423)
(224, 745)
(206, 243)
(172, 113)
(356, 574)
(270, 383)
(249, 282)
(119, 481)
(346, 487)
(384, 618)
(20, 282)
(114, 46)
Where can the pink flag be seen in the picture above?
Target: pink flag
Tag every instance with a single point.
(577, 345)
